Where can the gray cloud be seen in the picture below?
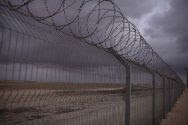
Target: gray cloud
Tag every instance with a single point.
(166, 30)
(135, 8)
(164, 25)
(174, 23)
(172, 26)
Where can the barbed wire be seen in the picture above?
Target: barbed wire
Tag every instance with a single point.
(97, 22)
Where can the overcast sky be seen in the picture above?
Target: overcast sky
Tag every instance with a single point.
(163, 23)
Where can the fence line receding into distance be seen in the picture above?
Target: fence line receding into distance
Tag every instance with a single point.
(79, 62)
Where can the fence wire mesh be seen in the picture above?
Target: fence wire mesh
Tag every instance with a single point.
(70, 62)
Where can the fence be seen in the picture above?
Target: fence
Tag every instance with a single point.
(80, 62)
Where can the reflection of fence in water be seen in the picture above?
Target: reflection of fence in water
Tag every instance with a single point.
(51, 76)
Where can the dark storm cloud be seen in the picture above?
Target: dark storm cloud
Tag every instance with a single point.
(164, 26)
(171, 27)
(167, 27)
(174, 23)
(135, 8)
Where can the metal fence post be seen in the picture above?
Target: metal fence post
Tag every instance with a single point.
(186, 69)
(153, 99)
(128, 83)
(169, 94)
(172, 97)
(164, 95)
(128, 96)
(187, 77)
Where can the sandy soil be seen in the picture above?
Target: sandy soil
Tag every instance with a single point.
(25, 104)
(179, 113)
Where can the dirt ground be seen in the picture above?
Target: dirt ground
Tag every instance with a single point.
(57, 104)
(30, 104)
(179, 113)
